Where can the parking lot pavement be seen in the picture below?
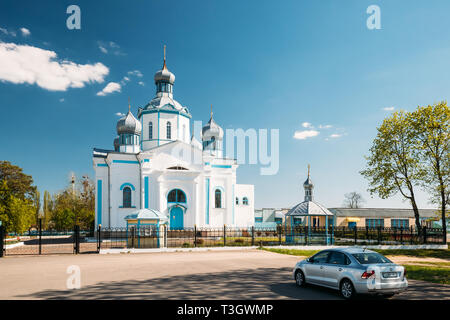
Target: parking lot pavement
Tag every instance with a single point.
(249, 274)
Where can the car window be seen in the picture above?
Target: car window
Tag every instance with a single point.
(337, 258)
(321, 257)
(371, 258)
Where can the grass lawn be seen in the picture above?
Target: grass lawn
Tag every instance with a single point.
(430, 274)
(422, 253)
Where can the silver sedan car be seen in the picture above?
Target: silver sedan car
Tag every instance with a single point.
(352, 271)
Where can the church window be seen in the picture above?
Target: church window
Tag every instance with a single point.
(176, 195)
(150, 130)
(237, 200)
(169, 130)
(127, 197)
(218, 198)
(245, 201)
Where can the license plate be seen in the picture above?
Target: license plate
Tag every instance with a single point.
(390, 274)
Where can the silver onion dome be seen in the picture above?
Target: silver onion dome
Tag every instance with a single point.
(128, 124)
(212, 129)
(116, 144)
(164, 75)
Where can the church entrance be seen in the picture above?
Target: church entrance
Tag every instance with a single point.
(176, 218)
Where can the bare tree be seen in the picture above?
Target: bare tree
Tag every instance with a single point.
(353, 200)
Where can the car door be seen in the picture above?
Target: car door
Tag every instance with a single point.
(335, 267)
(314, 269)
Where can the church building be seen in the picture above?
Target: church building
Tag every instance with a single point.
(157, 164)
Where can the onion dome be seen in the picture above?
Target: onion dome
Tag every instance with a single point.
(164, 75)
(128, 124)
(212, 129)
(308, 182)
(116, 144)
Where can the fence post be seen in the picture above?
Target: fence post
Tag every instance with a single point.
(379, 234)
(355, 234)
(40, 236)
(99, 230)
(77, 239)
(195, 235)
(401, 235)
(253, 236)
(2, 239)
(424, 235)
(224, 235)
(279, 234)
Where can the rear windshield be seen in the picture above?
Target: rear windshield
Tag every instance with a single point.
(370, 258)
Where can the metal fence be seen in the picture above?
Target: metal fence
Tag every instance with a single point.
(89, 241)
(163, 237)
(42, 241)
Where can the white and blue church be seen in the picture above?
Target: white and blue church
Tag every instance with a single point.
(157, 164)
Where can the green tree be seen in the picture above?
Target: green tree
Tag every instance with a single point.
(37, 206)
(393, 164)
(19, 184)
(431, 129)
(46, 208)
(16, 214)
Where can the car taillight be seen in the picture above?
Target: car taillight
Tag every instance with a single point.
(404, 272)
(368, 274)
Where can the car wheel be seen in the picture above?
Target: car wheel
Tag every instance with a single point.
(299, 278)
(387, 296)
(347, 289)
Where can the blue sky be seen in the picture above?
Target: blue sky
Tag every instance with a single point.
(262, 64)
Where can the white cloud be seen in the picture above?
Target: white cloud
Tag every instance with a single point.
(25, 32)
(327, 126)
(119, 114)
(8, 32)
(389, 109)
(61, 100)
(110, 47)
(110, 88)
(335, 135)
(141, 83)
(27, 64)
(136, 73)
(306, 125)
(302, 135)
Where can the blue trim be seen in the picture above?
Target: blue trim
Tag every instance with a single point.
(207, 163)
(122, 207)
(146, 192)
(146, 160)
(207, 200)
(127, 184)
(165, 111)
(221, 166)
(99, 202)
(126, 161)
(102, 165)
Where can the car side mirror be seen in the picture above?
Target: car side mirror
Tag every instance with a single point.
(310, 260)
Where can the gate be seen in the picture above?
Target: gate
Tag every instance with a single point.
(38, 242)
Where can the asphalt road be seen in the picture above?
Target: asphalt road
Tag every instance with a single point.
(249, 274)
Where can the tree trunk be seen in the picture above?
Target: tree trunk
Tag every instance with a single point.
(416, 213)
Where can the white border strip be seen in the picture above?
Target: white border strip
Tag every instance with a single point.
(203, 249)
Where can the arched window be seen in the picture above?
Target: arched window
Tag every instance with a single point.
(218, 198)
(237, 200)
(126, 197)
(245, 201)
(168, 130)
(176, 195)
(150, 130)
